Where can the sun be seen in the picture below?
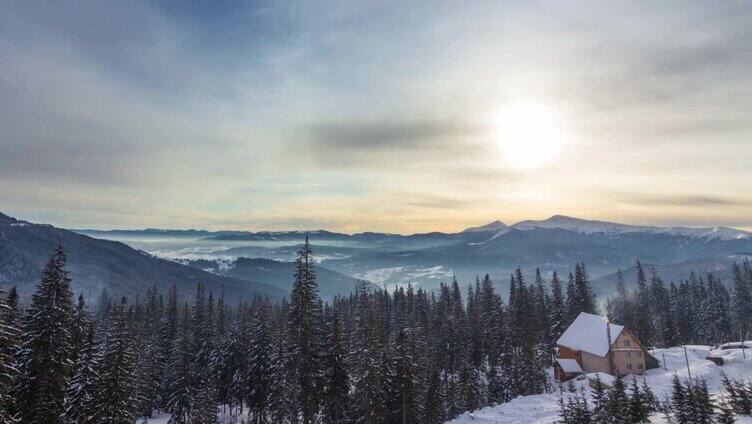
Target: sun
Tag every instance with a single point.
(528, 134)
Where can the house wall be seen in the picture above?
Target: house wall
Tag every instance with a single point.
(593, 363)
(629, 355)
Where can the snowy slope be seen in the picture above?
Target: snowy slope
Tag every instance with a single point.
(544, 408)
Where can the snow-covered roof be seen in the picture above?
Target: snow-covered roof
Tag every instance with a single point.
(569, 365)
(588, 333)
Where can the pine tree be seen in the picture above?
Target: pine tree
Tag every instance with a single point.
(725, 413)
(742, 302)
(167, 333)
(259, 363)
(203, 383)
(45, 356)
(335, 398)
(643, 324)
(8, 364)
(304, 333)
(638, 405)
(369, 378)
(618, 402)
(80, 402)
(115, 387)
(433, 411)
(600, 402)
(149, 359)
(557, 314)
(405, 382)
(180, 375)
(701, 405)
(680, 402)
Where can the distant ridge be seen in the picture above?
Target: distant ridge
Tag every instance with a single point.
(96, 264)
(556, 221)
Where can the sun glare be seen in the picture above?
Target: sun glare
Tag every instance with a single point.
(528, 134)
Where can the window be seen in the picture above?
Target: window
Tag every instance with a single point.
(629, 366)
(639, 354)
(629, 354)
(639, 366)
(626, 343)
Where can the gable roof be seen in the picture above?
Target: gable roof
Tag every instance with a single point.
(588, 333)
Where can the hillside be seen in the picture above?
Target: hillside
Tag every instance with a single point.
(280, 274)
(95, 264)
(544, 408)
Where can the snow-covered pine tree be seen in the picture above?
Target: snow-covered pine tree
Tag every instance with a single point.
(643, 319)
(8, 364)
(725, 413)
(650, 400)
(203, 384)
(304, 332)
(618, 402)
(433, 411)
(405, 381)
(335, 400)
(660, 302)
(718, 311)
(367, 363)
(741, 302)
(115, 385)
(149, 360)
(45, 355)
(179, 376)
(585, 294)
(283, 406)
(701, 404)
(680, 406)
(474, 328)
(557, 313)
(80, 405)
(600, 402)
(167, 333)
(259, 363)
(638, 404)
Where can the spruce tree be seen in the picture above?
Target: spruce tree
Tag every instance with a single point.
(680, 402)
(259, 364)
(433, 411)
(179, 401)
(742, 302)
(203, 384)
(618, 402)
(80, 402)
(638, 405)
(304, 332)
(557, 313)
(335, 398)
(115, 385)
(8, 364)
(45, 355)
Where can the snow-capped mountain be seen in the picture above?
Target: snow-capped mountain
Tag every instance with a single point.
(590, 227)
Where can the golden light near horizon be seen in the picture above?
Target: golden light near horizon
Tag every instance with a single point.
(528, 134)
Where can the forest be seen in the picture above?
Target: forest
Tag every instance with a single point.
(408, 356)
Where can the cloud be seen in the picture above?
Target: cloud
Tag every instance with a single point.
(685, 200)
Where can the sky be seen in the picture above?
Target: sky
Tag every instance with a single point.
(374, 115)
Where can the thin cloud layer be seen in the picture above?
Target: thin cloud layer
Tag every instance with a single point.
(370, 115)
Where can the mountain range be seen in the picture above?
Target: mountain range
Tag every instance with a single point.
(426, 259)
(244, 263)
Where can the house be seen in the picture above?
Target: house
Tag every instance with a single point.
(595, 345)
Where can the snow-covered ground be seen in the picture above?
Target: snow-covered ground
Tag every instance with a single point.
(544, 408)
